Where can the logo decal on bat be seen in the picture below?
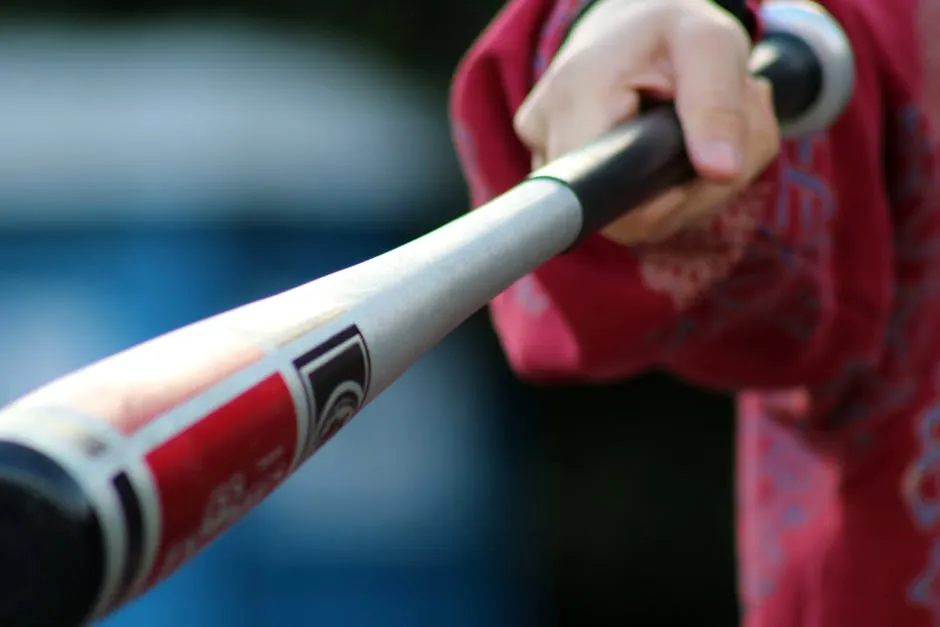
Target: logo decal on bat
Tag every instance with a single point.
(335, 375)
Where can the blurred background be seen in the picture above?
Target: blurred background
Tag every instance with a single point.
(164, 161)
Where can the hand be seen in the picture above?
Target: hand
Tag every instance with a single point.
(689, 51)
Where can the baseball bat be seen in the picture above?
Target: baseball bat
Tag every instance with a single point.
(113, 476)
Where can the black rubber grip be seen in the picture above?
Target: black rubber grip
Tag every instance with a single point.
(51, 549)
(647, 155)
(737, 8)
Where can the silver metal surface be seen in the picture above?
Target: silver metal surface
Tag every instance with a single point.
(820, 31)
(408, 299)
(403, 302)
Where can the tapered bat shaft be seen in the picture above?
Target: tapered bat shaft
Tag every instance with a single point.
(114, 476)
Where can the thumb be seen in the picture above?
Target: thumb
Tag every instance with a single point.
(710, 63)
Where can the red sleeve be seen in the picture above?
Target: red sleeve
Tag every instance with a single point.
(790, 285)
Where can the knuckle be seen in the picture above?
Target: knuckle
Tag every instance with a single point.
(733, 30)
(565, 74)
(555, 108)
(529, 122)
(719, 32)
(545, 99)
(523, 123)
(554, 84)
(717, 25)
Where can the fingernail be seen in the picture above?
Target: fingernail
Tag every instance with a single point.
(718, 155)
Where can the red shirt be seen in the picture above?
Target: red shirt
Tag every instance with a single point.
(815, 295)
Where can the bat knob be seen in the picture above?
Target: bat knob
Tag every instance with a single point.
(50, 543)
(815, 27)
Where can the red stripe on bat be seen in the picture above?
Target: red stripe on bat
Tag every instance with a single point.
(210, 475)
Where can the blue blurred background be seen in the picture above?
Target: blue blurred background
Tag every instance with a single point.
(162, 162)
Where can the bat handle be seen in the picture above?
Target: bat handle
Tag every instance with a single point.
(804, 54)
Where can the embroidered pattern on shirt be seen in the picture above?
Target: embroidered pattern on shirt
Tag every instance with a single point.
(786, 488)
(788, 257)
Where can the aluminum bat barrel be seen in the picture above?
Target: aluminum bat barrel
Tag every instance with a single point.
(112, 477)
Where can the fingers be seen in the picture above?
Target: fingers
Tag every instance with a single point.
(764, 131)
(689, 49)
(698, 202)
(570, 120)
(591, 85)
(650, 222)
(576, 126)
(685, 49)
(704, 197)
(709, 58)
